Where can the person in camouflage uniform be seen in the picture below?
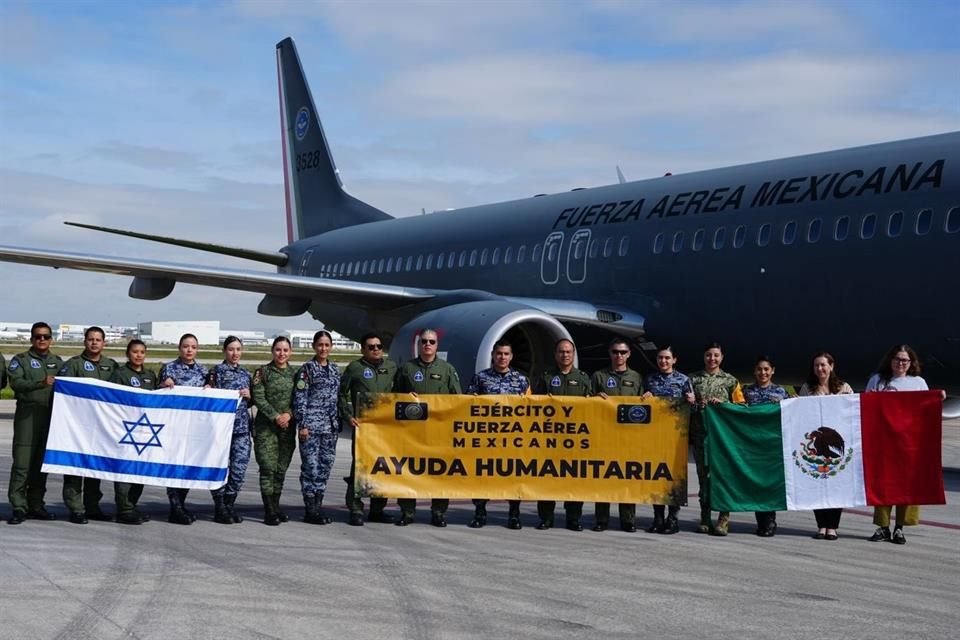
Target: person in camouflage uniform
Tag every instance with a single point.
(230, 375)
(563, 380)
(185, 371)
(372, 373)
(315, 398)
(3, 372)
(763, 391)
(31, 376)
(274, 438)
(498, 379)
(82, 495)
(132, 374)
(616, 380)
(667, 382)
(426, 374)
(712, 385)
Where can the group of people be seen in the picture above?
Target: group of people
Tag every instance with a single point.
(309, 406)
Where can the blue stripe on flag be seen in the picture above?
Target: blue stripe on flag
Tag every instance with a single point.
(134, 467)
(144, 400)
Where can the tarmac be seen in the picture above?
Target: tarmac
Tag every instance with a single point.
(104, 580)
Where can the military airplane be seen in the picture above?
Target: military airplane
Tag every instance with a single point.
(849, 251)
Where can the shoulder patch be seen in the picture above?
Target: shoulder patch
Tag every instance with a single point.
(258, 375)
(14, 364)
(301, 384)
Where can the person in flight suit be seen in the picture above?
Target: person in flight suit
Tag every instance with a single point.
(185, 371)
(230, 375)
(3, 372)
(315, 413)
(563, 380)
(372, 373)
(31, 376)
(274, 439)
(616, 380)
(426, 374)
(82, 495)
(132, 374)
(498, 379)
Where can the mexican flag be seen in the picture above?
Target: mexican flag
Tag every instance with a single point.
(826, 451)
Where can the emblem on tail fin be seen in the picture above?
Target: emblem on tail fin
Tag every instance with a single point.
(303, 123)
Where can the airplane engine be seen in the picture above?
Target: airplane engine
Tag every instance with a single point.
(468, 331)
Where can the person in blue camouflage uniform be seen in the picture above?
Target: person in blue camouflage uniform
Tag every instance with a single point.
(132, 374)
(763, 391)
(315, 412)
(500, 379)
(230, 375)
(562, 380)
(426, 374)
(82, 495)
(185, 371)
(616, 380)
(667, 382)
(712, 385)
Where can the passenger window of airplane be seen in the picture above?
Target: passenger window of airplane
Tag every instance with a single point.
(841, 229)
(419, 262)
(698, 237)
(380, 265)
(895, 224)
(508, 255)
(719, 237)
(429, 262)
(624, 246)
(677, 242)
(789, 232)
(924, 220)
(495, 258)
(483, 258)
(473, 258)
(594, 248)
(739, 236)
(813, 230)
(535, 257)
(658, 243)
(389, 265)
(763, 235)
(552, 253)
(608, 248)
(521, 253)
(409, 266)
(952, 225)
(349, 268)
(440, 258)
(356, 268)
(451, 259)
(868, 226)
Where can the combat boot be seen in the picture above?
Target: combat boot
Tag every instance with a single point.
(220, 513)
(706, 522)
(322, 518)
(657, 525)
(723, 525)
(177, 514)
(269, 512)
(183, 504)
(671, 525)
(228, 502)
(281, 516)
(513, 518)
(479, 518)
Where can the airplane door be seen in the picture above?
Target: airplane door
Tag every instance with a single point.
(577, 256)
(550, 259)
(305, 261)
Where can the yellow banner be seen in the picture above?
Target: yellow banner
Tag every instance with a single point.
(523, 447)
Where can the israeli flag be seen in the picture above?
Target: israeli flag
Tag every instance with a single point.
(177, 437)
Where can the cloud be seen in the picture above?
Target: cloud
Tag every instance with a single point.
(148, 157)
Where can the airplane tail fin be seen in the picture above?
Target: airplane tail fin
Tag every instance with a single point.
(315, 199)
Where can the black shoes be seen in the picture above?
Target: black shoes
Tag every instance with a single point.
(381, 516)
(600, 526)
(656, 526)
(178, 516)
(629, 527)
(270, 516)
(356, 519)
(129, 517)
(769, 530)
(898, 537)
(97, 514)
(574, 525)
(220, 513)
(671, 526)
(78, 517)
(17, 518)
(228, 502)
(831, 537)
(479, 518)
(545, 524)
(513, 522)
(41, 514)
(882, 533)
(438, 519)
(404, 520)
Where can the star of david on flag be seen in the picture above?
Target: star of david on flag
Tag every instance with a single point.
(135, 429)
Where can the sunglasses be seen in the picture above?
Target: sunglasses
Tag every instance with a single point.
(374, 347)
(427, 341)
(42, 336)
(619, 352)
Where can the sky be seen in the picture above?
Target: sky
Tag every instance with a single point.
(163, 117)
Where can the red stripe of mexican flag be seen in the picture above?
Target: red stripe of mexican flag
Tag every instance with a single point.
(826, 451)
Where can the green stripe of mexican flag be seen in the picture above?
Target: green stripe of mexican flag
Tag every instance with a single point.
(826, 451)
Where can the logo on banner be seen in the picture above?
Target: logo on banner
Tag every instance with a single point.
(141, 433)
(823, 454)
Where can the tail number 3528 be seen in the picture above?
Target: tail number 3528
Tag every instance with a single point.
(308, 160)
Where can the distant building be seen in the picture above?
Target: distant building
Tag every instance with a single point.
(169, 331)
(74, 332)
(247, 337)
(304, 340)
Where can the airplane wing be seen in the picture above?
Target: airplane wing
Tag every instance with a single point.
(362, 294)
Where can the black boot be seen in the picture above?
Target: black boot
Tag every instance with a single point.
(281, 516)
(177, 513)
(269, 512)
(228, 502)
(479, 518)
(220, 513)
(183, 504)
(309, 509)
(513, 518)
(322, 518)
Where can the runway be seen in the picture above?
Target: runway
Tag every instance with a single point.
(159, 580)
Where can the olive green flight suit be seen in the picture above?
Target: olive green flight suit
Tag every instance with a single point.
(359, 377)
(617, 383)
(273, 446)
(83, 494)
(31, 424)
(126, 494)
(417, 376)
(573, 383)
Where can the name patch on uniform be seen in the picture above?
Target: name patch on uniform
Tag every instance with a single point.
(435, 376)
(51, 365)
(381, 370)
(611, 383)
(572, 383)
(34, 364)
(555, 382)
(105, 367)
(88, 366)
(368, 374)
(418, 376)
(628, 383)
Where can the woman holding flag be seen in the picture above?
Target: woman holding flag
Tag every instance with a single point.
(185, 371)
(230, 375)
(823, 381)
